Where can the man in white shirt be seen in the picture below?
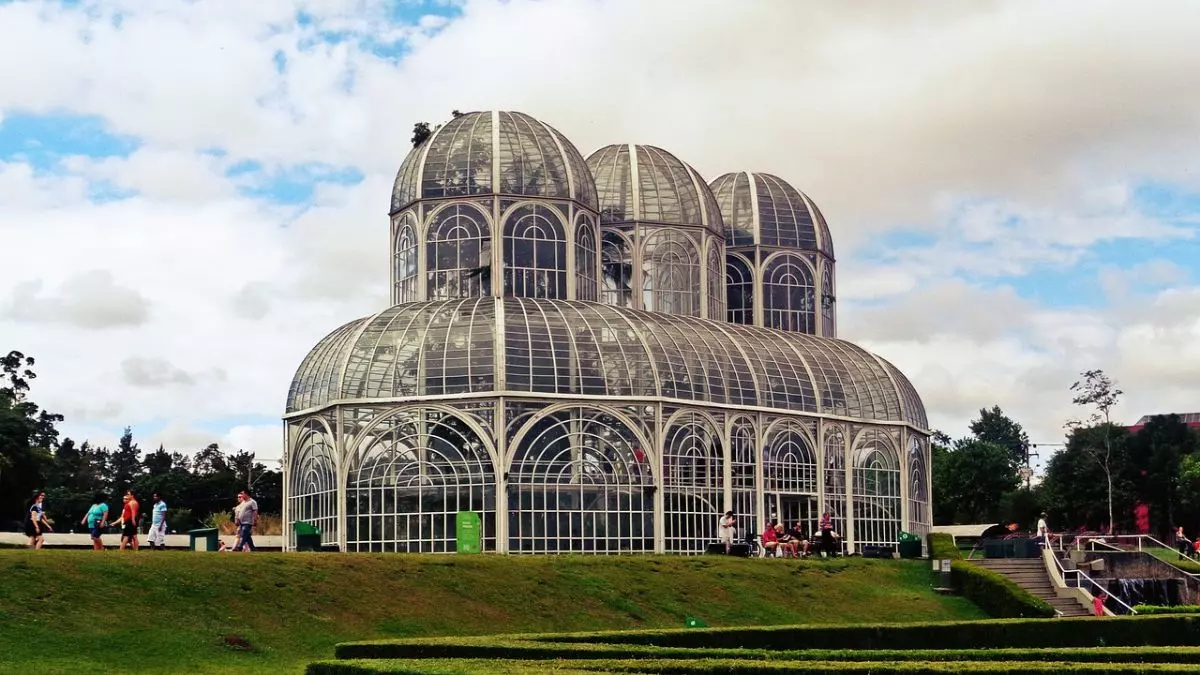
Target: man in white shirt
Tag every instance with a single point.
(1043, 531)
(726, 527)
(158, 523)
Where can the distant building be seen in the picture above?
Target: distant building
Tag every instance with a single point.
(1191, 419)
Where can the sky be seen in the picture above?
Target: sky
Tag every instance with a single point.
(193, 194)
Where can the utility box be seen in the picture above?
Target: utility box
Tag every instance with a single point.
(469, 538)
(203, 539)
(308, 536)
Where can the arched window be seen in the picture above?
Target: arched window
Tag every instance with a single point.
(835, 478)
(739, 289)
(671, 274)
(876, 490)
(742, 450)
(716, 281)
(918, 486)
(579, 481)
(312, 481)
(585, 260)
(535, 253)
(692, 482)
(789, 295)
(616, 269)
(458, 254)
(409, 479)
(790, 475)
(404, 251)
(828, 300)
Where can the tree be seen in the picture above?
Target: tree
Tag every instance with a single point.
(993, 426)
(1098, 393)
(421, 132)
(1157, 451)
(28, 436)
(1076, 486)
(125, 463)
(455, 113)
(971, 481)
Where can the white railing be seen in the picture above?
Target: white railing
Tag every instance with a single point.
(1081, 576)
(1137, 542)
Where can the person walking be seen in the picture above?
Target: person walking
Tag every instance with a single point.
(158, 523)
(726, 528)
(36, 525)
(246, 517)
(128, 521)
(96, 519)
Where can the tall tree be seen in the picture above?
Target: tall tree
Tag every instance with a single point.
(125, 463)
(993, 426)
(421, 132)
(1076, 486)
(28, 436)
(1098, 394)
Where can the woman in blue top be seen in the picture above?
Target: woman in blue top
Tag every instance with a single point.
(36, 525)
(96, 520)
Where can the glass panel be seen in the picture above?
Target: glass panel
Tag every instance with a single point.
(458, 254)
(616, 255)
(312, 481)
(535, 253)
(789, 295)
(739, 289)
(693, 480)
(671, 273)
(585, 260)
(876, 491)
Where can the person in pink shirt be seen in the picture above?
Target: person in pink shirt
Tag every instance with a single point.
(770, 540)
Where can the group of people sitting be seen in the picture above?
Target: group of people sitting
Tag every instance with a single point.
(777, 540)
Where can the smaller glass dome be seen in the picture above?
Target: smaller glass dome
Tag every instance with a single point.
(648, 184)
(763, 209)
(494, 152)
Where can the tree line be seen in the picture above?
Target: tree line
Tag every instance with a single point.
(33, 457)
(1104, 479)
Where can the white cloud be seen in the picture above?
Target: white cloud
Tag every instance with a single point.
(1011, 135)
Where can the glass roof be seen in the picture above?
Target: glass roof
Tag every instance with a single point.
(494, 152)
(589, 349)
(649, 184)
(760, 208)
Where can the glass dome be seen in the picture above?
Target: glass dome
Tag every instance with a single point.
(451, 347)
(763, 209)
(648, 184)
(494, 153)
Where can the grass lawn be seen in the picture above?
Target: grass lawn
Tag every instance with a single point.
(176, 612)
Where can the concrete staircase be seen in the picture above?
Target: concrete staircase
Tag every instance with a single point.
(1031, 575)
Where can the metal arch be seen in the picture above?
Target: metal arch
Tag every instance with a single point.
(446, 205)
(779, 421)
(823, 236)
(856, 445)
(900, 397)
(572, 191)
(755, 219)
(650, 448)
(671, 421)
(790, 253)
(755, 375)
(420, 194)
(544, 202)
(485, 437)
(635, 183)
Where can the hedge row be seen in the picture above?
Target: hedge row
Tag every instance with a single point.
(729, 666)
(992, 592)
(491, 648)
(1148, 610)
(1131, 631)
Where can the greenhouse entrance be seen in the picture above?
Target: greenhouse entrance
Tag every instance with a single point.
(789, 508)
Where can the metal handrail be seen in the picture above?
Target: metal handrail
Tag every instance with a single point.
(1080, 541)
(1080, 573)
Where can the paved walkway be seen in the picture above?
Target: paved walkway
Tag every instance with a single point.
(174, 541)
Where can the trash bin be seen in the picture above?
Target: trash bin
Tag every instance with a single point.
(308, 536)
(909, 545)
(203, 539)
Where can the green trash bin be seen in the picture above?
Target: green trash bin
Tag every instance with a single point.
(204, 539)
(909, 545)
(308, 536)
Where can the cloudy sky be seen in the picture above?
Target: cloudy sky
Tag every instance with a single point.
(193, 193)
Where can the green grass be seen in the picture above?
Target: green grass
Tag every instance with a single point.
(171, 612)
(1172, 556)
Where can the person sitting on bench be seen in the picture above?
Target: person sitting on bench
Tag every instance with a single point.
(799, 539)
(770, 540)
(787, 544)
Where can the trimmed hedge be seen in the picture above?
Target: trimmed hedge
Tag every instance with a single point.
(1124, 631)
(498, 648)
(993, 593)
(729, 666)
(1167, 609)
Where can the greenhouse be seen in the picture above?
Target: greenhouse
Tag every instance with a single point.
(608, 389)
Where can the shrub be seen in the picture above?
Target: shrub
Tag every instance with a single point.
(1171, 609)
(992, 592)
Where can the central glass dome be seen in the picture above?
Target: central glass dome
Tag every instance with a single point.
(494, 152)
